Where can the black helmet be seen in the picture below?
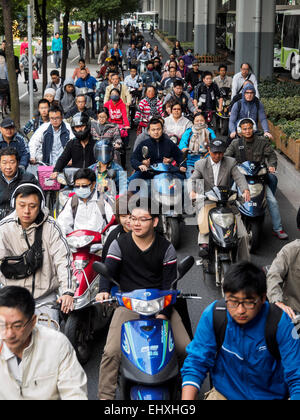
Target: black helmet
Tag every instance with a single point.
(81, 119)
(298, 219)
(104, 151)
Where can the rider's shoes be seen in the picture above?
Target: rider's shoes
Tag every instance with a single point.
(203, 250)
(281, 234)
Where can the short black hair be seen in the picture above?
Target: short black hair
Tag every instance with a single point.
(44, 101)
(245, 277)
(81, 60)
(85, 173)
(178, 82)
(222, 66)
(10, 151)
(144, 203)
(246, 121)
(18, 298)
(133, 67)
(175, 104)
(56, 108)
(207, 73)
(103, 110)
(54, 73)
(27, 190)
(155, 121)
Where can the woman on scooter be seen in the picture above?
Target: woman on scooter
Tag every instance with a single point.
(176, 124)
(148, 107)
(195, 141)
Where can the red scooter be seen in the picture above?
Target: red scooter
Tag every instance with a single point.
(86, 319)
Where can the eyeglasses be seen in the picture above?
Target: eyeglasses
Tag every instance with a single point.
(16, 327)
(140, 219)
(234, 304)
(55, 119)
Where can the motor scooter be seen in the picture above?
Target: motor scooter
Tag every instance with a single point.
(253, 212)
(149, 366)
(223, 239)
(224, 116)
(86, 319)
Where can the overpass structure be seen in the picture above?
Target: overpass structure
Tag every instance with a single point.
(195, 20)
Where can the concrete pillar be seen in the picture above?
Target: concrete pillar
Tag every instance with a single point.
(182, 20)
(190, 21)
(165, 19)
(160, 11)
(173, 17)
(255, 28)
(205, 26)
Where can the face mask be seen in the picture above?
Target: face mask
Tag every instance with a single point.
(189, 54)
(115, 98)
(83, 193)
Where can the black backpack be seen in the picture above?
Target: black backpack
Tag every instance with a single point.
(273, 318)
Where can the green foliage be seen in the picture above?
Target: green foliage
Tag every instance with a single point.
(279, 108)
(275, 89)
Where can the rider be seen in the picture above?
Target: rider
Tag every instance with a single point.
(25, 343)
(181, 97)
(85, 210)
(254, 148)
(79, 150)
(49, 272)
(149, 106)
(9, 137)
(41, 117)
(176, 124)
(151, 77)
(248, 107)
(124, 92)
(48, 142)
(223, 81)
(104, 155)
(66, 95)
(242, 367)
(140, 259)
(80, 106)
(196, 140)
(218, 170)
(11, 176)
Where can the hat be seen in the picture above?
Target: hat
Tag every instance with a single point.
(217, 146)
(7, 122)
(50, 91)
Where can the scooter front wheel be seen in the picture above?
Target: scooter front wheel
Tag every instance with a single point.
(173, 232)
(76, 331)
(254, 230)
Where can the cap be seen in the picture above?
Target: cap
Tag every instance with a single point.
(217, 146)
(7, 122)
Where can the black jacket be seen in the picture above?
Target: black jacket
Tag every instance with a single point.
(82, 157)
(6, 190)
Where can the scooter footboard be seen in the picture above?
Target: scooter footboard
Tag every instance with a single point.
(141, 393)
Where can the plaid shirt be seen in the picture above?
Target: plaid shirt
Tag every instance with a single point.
(32, 125)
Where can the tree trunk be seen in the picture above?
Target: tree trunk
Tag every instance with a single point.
(65, 43)
(42, 19)
(92, 40)
(98, 49)
(87, 43)
(10, 58)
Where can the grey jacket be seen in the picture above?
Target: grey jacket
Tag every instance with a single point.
(228, 171)
(283, 280)
(259, 150)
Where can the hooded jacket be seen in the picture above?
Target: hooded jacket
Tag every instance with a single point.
(55, 275)
(66, 100)
(248, 109)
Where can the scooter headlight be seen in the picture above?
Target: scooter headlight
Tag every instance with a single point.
(255, 190)
(77, 242)
(147, 308)
(263, 171)
(223, 220)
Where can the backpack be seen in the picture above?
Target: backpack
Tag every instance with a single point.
(273, 318)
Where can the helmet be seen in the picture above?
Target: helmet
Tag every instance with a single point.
(104, 151)
(81, 119)
(298, 219)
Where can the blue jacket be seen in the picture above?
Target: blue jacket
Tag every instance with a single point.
(184, 144)
(245, 109)
(90, 82)
(48, 141)
(244, 369)
(20, 144)
(57, 44)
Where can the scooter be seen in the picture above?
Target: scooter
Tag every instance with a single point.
(65, 178)
(253, 212)
(149, 367)
(135, 94)
(166, 192)
(86, 319)
(223, 239)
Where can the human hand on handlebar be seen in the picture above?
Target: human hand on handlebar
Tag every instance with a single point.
(53, 175)
(102, 296)
(67, 303)
(272, 170)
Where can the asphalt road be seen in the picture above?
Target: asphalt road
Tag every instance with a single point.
(194, 281)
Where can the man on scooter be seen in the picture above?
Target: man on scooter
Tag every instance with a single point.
(140, 259)
(218, 170)
(254, 148)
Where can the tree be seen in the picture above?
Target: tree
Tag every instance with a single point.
(10, 59)
(42, 20)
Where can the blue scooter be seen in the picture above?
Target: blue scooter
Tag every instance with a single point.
(253, 212)
(149, 366)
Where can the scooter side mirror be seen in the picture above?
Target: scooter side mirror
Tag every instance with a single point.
(101, 269)
(183, 267)
(145, 152)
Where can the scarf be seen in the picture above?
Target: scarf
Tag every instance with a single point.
(199, 138)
